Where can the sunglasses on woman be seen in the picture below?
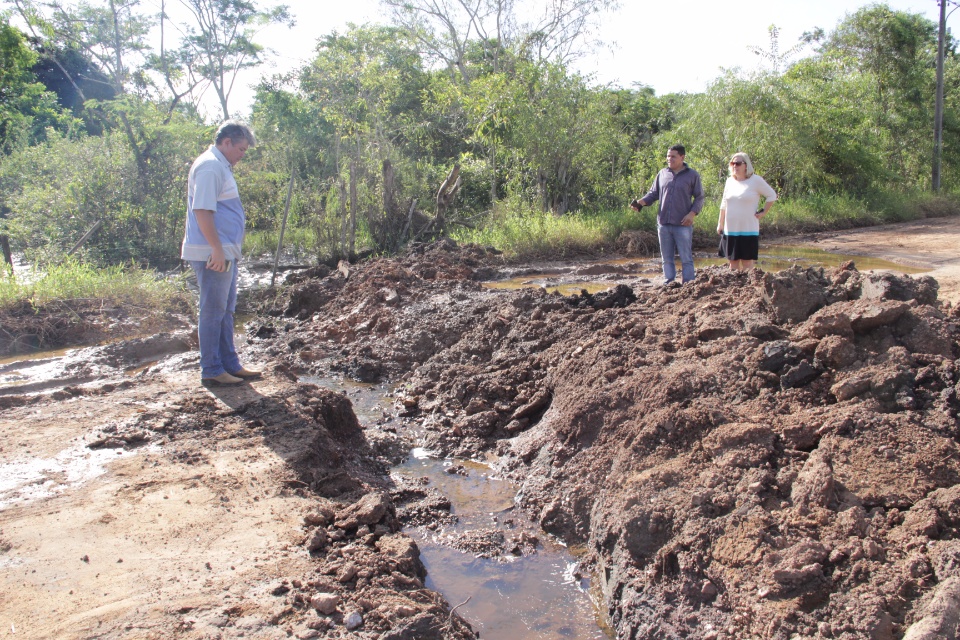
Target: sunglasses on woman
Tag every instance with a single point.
(736, 163)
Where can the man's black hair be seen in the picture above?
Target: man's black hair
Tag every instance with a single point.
(679, 149)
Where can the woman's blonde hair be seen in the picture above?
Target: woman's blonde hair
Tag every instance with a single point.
(740, 155)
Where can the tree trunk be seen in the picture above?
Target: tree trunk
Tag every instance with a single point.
(5, 247)
(493, 175)
(389, 229)
(342, 188)
(354, 169)
(389, 188)
(446, 194)
(544, 190)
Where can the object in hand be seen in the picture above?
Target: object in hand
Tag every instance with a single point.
(636, 204)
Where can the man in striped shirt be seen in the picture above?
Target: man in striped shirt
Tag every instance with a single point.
(211, 245)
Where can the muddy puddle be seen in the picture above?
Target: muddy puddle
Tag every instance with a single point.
(30, 479)
(572, 280)
(30, 372)
(533, 596)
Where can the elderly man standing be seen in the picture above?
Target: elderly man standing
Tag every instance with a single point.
(680, 192)
(211, 244)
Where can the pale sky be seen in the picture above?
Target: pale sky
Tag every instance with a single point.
(672, 47)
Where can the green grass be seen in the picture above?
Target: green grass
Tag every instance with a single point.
(524, 234)
(837, 212)
(528, 234)
(74, 280)
(296, 240)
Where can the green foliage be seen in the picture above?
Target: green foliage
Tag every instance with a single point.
(852, 120)
(27, 109)
(565, 132)
(521, 232)
(372, 125)
(894, 53)
(299, 243)
(815, 212)
(74, 279)
(58, 190)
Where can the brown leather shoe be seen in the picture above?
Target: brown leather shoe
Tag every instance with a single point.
(222, 380)
(246, 374)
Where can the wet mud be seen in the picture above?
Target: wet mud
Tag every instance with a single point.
(745, 456)
(759, 455)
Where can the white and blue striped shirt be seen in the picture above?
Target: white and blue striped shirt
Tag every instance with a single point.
(211, 186)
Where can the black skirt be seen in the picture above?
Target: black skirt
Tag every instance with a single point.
(739, 247)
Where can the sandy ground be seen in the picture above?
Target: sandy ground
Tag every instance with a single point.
(136, 504)
(155, 543)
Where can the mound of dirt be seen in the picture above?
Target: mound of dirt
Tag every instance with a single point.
(748, 456)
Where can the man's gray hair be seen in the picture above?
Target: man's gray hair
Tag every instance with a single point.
(236, 131)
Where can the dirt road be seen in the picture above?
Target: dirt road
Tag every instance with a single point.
(751, 456)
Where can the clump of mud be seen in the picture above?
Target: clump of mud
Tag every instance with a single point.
(748, 456)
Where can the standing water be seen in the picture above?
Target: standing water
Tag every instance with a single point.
(567, 280)
(536, 596)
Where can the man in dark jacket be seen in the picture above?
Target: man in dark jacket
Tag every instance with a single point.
(680, 192)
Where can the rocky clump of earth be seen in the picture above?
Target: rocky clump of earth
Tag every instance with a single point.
(752, 455)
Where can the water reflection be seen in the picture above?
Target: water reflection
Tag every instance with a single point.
(533, 597)
(539, 596)
(31, 479)
(780, 257)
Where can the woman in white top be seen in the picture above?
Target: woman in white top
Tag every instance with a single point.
(740, 213)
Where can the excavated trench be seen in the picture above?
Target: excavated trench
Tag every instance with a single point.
(763, 455)
(510, 580)
(759, 455)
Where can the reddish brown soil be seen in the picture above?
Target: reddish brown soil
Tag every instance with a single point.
(749, 456)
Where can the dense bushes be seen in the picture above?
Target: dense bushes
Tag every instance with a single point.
(370, 128)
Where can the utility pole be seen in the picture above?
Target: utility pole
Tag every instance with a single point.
(938, 109)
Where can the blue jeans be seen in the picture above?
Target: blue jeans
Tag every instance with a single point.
(218, 301)
(675, 238)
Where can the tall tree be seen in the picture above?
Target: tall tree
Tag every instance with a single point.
(104, 45)
(778, 59)
(26, 107)
(895, 51)
(477, 38)
(221, 39)
(365, 84)
(111, 34)
(562, 130)
(446, 29)
(108, 35)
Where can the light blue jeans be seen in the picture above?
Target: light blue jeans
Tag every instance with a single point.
(675, 238)
(218, 301)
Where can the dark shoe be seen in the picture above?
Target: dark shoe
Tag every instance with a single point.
(222, 380)
(246, 374)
